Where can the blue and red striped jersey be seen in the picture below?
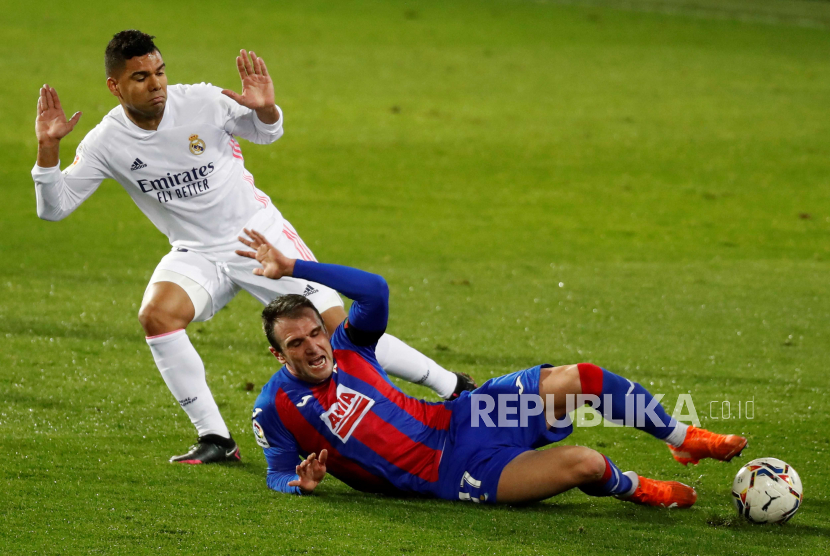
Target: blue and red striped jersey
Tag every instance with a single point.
(378, 438)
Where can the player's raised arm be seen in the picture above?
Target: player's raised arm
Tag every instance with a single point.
(51, 126)
(370, 310)
(257, 88)
(59, 193)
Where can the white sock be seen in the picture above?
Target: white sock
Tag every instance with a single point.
(184, 373)
(635, 482)
(403, 361)
(677, 436)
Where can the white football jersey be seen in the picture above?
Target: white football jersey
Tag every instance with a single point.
(188, 176)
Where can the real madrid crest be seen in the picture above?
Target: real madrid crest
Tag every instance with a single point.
(197, 146)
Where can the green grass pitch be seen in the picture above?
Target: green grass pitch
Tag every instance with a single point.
(644, 185)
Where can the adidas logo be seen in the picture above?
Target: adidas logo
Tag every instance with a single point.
(309, 291)
(137, 165)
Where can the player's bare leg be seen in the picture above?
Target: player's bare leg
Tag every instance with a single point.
(165, 313)
(166, 307)
(533, 476)
(586, 378)
(536, 475)
(401, 360)
(574, 468)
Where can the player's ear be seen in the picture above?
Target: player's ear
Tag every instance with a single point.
(112, 85)
(277, 354)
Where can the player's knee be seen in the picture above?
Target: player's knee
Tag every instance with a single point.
(592, 466)
(570, 375)
(564, 379)
(155, 319)
(148, 317)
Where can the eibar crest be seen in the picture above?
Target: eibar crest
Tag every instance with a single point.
(197, 146)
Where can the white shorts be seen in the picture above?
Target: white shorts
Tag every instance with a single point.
(211, 281)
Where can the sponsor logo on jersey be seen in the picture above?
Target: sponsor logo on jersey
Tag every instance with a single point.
(186, 177)
(259, 434)
(181, 185)
(137, 165)
(347, 412)
(309, 290)
(197, 146)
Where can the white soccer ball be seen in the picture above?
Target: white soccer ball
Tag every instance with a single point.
(767, 490)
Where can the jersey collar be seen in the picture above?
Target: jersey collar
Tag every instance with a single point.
(165, 123)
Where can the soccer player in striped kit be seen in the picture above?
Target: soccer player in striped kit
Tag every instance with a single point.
(175, 152)
(332, 404)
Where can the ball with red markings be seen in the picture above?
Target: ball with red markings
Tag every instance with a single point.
(767, 490)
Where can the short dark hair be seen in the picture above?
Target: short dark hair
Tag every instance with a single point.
(125, 45)
(287, 306)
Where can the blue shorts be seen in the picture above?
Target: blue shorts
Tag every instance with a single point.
(478, 449)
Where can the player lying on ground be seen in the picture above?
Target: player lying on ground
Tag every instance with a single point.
(332, 404)
(174, 150)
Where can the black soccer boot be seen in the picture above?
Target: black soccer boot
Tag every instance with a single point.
(210, 448)
(465, 383)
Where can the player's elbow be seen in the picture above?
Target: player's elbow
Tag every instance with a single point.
(380, 289)
(49, 215)
(381, 286)
(50, 209)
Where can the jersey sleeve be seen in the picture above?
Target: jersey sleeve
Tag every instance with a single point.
(243, 122)
(60, 193)
(369, 313)
(281, 451)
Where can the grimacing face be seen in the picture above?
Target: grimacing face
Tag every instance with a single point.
(306, 347)
(141, 87)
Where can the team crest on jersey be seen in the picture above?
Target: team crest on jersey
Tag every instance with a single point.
(347, 412)
(197, 146)
(259, 434)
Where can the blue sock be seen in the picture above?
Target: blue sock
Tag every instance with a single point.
(625, 402)
(612, 483)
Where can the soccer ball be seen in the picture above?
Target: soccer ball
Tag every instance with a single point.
(767, 490)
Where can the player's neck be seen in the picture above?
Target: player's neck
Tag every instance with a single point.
(149, 123)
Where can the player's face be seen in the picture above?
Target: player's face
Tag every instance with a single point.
(142, 85)
(306, 348)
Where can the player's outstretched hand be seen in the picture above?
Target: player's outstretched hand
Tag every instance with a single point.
(311, 471)
(257, 87)
(275, 265)
(51, 124)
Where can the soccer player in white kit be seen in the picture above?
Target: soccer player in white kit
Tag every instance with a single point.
(174, 150)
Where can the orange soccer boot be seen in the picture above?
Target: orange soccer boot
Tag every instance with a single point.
(701, 444)
(664, 494)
